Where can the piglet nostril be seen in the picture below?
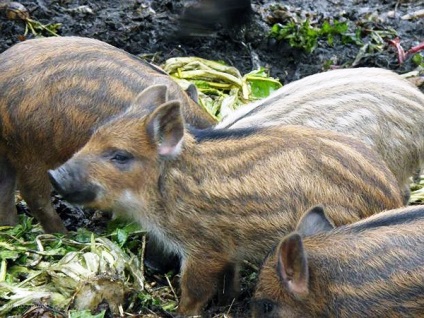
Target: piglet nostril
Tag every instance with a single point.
(68, 183)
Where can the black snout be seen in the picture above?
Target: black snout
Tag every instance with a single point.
(71, 184)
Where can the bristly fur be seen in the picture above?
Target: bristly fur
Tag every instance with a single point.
(227, 195)
(54, 92)
(210, 134)
(375, 105)
(372, 268)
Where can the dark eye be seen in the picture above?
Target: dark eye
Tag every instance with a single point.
(121, 157)
(263, 308)
(267, 306)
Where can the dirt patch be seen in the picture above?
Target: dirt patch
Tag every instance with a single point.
(149, 28)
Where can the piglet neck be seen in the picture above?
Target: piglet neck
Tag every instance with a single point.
(186, 181)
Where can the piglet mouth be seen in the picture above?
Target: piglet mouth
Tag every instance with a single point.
(73, 191)
(80, 197)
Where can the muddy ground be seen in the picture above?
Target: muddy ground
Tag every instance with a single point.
(151, 29)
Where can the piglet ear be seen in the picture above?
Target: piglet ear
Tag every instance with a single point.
(165, 128)
(292, 265)
(193, 93)
(149, 99)
(314, 221)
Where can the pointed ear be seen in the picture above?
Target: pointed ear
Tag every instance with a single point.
(314, 221)
(292, 265)
(165, 128)
(149, 99)
(193, 93)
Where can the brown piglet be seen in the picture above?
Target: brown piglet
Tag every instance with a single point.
(53, 93)
(217, 197)
(372, 268)
(377, 106)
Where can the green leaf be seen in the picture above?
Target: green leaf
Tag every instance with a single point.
(418, 59)
(85, 314)
(275, 30)
(13, 255)
(122, 236)
(148, 300)
(305, 36)
(326, 27)
(261, 88)
(340, 27)
(169, 306)
(118, 223)
(261, 85)
(83, 235)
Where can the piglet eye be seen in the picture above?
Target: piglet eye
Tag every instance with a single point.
(121, 157)
(267, 307)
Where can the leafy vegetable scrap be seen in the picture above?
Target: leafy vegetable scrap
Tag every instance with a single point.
(221, 87)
